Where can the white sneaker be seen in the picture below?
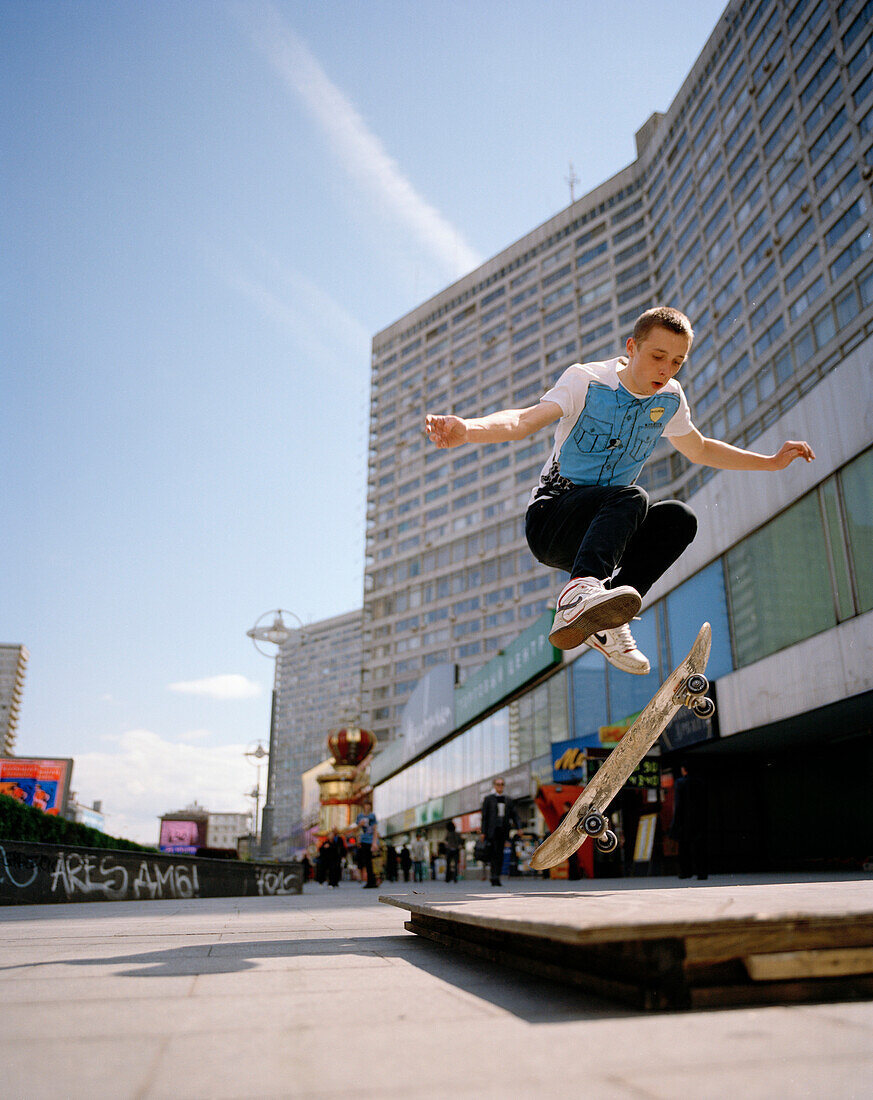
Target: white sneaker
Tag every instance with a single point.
(584, 605)
(620, 649)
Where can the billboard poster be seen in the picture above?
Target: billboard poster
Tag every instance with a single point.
(41, 783)
(182, 837)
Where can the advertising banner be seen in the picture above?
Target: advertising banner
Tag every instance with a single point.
(525, 657)
(429, 713)
(570, 758)
(182, 837)
(44, 784)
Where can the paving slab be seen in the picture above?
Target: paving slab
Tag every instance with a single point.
(325, 994)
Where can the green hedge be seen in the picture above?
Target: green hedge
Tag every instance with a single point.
(20, 822)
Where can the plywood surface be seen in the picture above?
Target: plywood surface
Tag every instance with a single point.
(603, 916)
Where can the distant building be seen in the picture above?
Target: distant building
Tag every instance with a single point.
(318, 689)
(13, 664)
(225, 830)
(196, 827)
(92, 815)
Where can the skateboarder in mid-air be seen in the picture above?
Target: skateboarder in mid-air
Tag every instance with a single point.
(586, 515)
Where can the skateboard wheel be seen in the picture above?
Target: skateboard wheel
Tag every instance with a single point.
(703, 708)
(594, 823)
(607, 843)
(696, 684)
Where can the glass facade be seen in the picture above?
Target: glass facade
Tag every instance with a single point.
(474, 755)
(856, 482)
(786, 582)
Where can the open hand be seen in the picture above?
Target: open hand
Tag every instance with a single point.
(791, 450)
(445, 431)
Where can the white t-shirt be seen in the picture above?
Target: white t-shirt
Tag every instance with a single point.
(606, 433)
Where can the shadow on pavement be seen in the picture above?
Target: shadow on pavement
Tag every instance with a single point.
(530, 998)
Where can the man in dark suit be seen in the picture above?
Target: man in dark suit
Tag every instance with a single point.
(498, 817)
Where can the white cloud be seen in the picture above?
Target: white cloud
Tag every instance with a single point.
(323, 331)
(146, 776)
(231, 686)
(360, 151)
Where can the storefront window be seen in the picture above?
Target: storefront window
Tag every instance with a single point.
(780, 584)
(541, 720)
(628, 694)
(839, 563)
(857, 484)
(589, 694)
(525, 728)
(700, 599)
(559, 729)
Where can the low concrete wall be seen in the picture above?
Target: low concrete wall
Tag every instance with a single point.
(38, 873)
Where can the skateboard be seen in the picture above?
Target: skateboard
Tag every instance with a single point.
(685, 686)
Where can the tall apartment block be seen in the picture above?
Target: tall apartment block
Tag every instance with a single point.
(318, 689)
(13, 665)
(747, 206)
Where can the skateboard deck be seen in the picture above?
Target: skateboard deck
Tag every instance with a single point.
(685, 686)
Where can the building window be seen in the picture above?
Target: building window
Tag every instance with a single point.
(780, 585)
(856, 481)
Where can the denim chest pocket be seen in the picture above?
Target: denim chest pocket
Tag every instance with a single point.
(592, 434)
(644, 441)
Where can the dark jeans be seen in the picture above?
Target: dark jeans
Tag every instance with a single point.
(496, 844)
(365, 862)
(594, 530)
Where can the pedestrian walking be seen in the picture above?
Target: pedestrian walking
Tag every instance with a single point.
(499, 816)
(453, 851)
(420, 857)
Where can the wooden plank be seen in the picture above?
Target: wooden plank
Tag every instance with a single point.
(647, 976)
(799, 991)
(833, 963)
(751, 938)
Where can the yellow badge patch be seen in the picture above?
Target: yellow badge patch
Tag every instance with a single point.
(655, 415)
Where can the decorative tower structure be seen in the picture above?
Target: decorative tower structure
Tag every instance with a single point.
(345, 791)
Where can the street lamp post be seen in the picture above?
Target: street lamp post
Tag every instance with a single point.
(276, 634)
(255, 756)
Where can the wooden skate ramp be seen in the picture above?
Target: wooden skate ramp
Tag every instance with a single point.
(686, 947)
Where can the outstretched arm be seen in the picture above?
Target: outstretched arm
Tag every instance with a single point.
(452, 431)
(713, 452)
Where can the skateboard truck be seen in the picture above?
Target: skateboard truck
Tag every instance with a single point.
(692, 694)
(596, 825)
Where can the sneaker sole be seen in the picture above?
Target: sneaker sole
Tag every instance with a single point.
(610, 613)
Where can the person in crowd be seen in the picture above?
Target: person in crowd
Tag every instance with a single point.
(391, 863)
(499, 817)
(405, 862)
(368, 842)
(453, 850)
(420, 857)
(689, 825)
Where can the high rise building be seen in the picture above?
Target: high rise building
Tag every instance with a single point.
(318, 689)
(13, 665)
(747, 206)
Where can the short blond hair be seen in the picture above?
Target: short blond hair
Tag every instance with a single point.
(662, 317)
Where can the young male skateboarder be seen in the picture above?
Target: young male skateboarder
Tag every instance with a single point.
(586, 515)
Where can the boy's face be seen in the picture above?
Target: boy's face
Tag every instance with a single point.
(655, 360)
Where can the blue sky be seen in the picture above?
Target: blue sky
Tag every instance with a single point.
(207, 211)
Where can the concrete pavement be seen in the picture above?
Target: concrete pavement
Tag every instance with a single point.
(326, 995)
